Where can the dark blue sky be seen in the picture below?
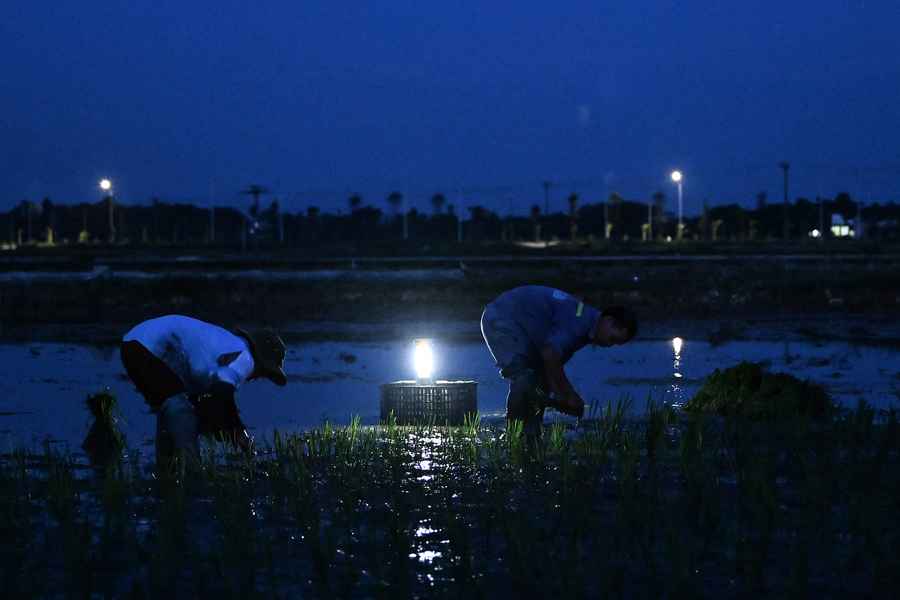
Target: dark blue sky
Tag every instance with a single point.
(318, 99)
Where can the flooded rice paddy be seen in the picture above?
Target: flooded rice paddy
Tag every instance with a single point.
(665, 505)
(668, 506)
(43, 385)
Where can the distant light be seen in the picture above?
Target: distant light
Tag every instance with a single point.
(423, 360)
(841, 231)
(676, 176)
(677, 343)
(105, 185)
(815, 233)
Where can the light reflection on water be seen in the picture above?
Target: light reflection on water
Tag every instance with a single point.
(429, 460)
(426, 555)
(676, 389)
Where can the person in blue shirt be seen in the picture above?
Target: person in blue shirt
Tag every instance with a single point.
(531, 332)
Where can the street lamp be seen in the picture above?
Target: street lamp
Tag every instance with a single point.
(106, 186)
(677, 177)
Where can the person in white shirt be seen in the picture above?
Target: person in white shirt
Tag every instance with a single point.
(188, 371)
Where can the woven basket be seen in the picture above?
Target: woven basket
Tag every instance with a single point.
(441, 403)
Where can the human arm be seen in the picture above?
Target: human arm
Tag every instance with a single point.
(566, 398)
(218, 416)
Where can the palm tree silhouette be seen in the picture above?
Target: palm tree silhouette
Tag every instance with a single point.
(573, 204)
(536, 221)
(255, 191)
(395, 199)
(355, 201)
(437, 201)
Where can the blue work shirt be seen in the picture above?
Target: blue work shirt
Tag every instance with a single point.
(549, 317)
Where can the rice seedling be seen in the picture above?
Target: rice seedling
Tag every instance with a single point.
(16, 514)
(105, 440)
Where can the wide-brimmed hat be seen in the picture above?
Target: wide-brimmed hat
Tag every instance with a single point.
(268, 353)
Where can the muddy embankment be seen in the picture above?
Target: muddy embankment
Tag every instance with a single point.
(373, 291)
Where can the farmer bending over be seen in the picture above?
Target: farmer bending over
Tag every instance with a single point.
(188, 371)
(532, 331)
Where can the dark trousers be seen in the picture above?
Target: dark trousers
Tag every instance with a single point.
(512, 351)
(176, 418)
(152, 377)
(524, 402)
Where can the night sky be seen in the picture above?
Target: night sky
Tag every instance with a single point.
(315, 100)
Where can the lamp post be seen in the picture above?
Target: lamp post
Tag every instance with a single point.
(547, 185)
(106, 186)
(786, 228)
(405, 220)
(212, 214)
(677, 177)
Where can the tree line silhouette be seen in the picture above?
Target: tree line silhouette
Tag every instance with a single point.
(616, 219)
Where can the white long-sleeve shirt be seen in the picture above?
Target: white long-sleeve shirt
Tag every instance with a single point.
(199, 353)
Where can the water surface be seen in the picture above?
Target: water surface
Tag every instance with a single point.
(43, 386)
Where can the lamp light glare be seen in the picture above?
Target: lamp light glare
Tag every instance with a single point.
(423, 359)
(676, 176)
(677, 343)
(105, 185)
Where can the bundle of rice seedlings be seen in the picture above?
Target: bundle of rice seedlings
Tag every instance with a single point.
(105, 440)
(747, 390)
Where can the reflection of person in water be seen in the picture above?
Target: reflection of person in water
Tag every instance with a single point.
(188, 371)
(532, 331)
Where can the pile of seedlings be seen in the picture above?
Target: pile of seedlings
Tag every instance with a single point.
(748, 390)
(105, 440)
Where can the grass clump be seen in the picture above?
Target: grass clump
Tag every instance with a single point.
(747, 390)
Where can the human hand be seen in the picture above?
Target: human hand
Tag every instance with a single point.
(239, 439)
(570, 404)
(244, 441)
